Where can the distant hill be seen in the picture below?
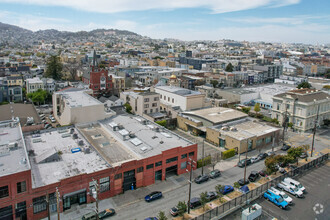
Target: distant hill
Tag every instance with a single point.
(11, 34)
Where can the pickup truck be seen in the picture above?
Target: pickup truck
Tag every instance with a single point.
(293, 190)
(277, 200)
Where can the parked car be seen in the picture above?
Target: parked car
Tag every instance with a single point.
(262, 156)
(195, 202)
(153, 196)
(294, 183)
(174, 211)
(282, 194)
(47, 126)
(277, 200)
(214, 174)
(303, 155)
(242, 163)
(102, 215)
(242, 183)
(285, 147)
(106, 213)
(151, 218)
(253, 176)
(211, 195)
(244, 189)
(201, 179)
(290, 189)
(226, 189)
(53, 120)
(262, 173)
(271, 153)
(255, 159)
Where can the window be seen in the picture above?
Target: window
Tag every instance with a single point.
(96, 87)
(4, 192)
(146, 111)
(105, 184)
(184, 165)
(183, 156)
(139, 170)
(156, 98)
(259, 142)
(171, 159)
(154, 104)
(150, 166)
(165, 97)
(21, 187)
(161, 96)
(268, 139)
(159, 163)
(150, 110)
(191, 154)
(39, 204)
(146, 100)
(172, 100)
(287, 106)
(118, 176)
(168, 99)
(146, 105)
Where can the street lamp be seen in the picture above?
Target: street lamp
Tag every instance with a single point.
(190, 181)
(246, 152)
(203, 158)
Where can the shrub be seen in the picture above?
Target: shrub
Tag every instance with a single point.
(246, 110)
(228, 153)
(236, 185)
(207, 161)
(162, 123)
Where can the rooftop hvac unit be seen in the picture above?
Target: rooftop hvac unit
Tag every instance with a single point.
(87, 150)
(71, 130)
(225, 128)
(75, 136)
(81, 143)
(157, 129)
(13, 145)
(233, 129)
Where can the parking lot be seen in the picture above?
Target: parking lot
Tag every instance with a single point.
(316, 201)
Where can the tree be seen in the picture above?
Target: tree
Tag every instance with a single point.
(8, 64)
(229, 68)
(236, 185)
(257, 108)
(219, 188)
(54, 68)
(295, 152)
(182, 208)
(72, 70)
(304, 85)
(128, 108)
(270, 164)
(204, 200)
(39, 96)
(162, 216)
(246, 110)
(214, 83)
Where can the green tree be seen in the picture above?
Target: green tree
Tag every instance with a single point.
(257, 108)
(39, 96)
(236, 185)
(204, 200)
(162, 216)
(295, 152)
(162, 123)
(54, 68)
(182, 208)
(219, 188)
(229, 68)
(304, 85)
(128, 108)
(214, 83)
(246, 110)
(270, 164)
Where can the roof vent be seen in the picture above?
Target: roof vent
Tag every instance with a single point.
(161, 142)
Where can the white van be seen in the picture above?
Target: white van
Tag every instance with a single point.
(282, 194)
(291, 189)
(295, 183)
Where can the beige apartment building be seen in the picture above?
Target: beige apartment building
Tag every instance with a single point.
(73, 106)
(302, 107)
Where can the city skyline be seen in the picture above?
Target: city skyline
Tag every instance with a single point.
(290, 21)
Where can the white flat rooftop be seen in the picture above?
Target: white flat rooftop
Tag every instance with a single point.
(79, 98)
(13, 157)
(70, 164)
(178, 90)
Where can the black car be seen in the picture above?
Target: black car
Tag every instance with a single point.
(242, 163)
(262, 156)
(253, 176)
(211, 196)
(303, 155)
(195, 202)
(201, 179)
(215, 173)
(242, 183)
(285, 147)
(106, 213)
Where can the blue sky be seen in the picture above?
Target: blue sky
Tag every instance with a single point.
(300, 21)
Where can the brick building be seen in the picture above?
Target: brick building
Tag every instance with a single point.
(69, 158)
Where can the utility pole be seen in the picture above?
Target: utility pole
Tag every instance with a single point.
(203, 158)
(190, 181)
(315, 123)
(47, 201)
(284, 120)
(247, 146)
(58, 203)
(96, 197)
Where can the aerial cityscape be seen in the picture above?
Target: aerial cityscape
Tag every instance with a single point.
(159, 110)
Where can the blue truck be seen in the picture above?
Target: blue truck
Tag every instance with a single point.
(276, 199)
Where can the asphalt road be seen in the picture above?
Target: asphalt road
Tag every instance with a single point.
(315, 204)
(142, 209)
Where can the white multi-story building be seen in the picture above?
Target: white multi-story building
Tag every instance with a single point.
(32, 85)
(302, 107)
